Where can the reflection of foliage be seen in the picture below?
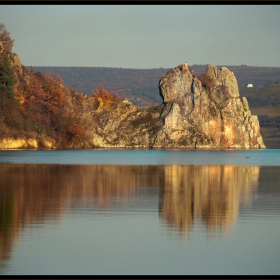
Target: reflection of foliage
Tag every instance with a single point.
(8, 222)
(209, 193)
(6, 210)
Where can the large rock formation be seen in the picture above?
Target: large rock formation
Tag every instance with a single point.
(196, 113)
(206, 112)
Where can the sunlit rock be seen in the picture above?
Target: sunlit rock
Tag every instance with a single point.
(205, 112)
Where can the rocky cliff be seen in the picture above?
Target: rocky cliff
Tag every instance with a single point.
(205, 112)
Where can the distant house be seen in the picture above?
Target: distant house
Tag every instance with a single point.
(250, 85)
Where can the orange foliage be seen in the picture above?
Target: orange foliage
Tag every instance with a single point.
(105, 95)
(45, 93)
(76, 129)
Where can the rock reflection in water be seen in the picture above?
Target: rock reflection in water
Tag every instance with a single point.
(37, 194)
(211, 194)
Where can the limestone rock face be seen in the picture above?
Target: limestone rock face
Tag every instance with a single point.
(10, 143)
(126, 126)
(176, 83)
(1, 47)
(15, 62)
(25, 143)
(205, 113)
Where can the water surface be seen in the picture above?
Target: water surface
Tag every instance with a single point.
(144, 157)
(163, 218)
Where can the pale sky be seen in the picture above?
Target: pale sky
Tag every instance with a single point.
(144, 36)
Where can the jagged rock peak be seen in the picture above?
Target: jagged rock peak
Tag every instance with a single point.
(224, 78)
(205, 112)
(176, 82)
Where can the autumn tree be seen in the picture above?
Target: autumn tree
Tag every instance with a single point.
(45, 103)
(7, 81)
(5, 38)
(102, 93)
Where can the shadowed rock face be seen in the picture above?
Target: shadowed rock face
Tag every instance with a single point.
(206, 113)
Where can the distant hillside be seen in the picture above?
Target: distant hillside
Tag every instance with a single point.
(245, 75)
(128, 83)
(140, 86)
(267, 95)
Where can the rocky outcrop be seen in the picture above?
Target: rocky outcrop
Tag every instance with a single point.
(196, 113)
(23, 143)
(10, 143)
(126, 126)
(205, 113)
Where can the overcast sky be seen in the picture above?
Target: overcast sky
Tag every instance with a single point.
(144, 36)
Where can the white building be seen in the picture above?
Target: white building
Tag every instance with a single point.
(250, 85)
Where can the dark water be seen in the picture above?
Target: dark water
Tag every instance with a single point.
(139, 213)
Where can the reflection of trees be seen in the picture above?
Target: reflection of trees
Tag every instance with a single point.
(35, 193)
(208, 193)
(9, 230)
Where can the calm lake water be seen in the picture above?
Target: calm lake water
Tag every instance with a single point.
(140, 212)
